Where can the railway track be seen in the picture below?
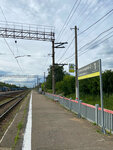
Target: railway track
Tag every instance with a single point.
(6, 107)
(10, 94)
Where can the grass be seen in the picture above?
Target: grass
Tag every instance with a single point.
(95, 99)
(108, 132)
(107, 100)
(94, 124)
(49, 91)
(20, 125)
(99, 131)
(5, 100)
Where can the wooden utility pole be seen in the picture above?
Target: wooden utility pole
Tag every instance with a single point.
(37, 81)
(44, 83)
(55, 45)
(76, 66)
(53, 67)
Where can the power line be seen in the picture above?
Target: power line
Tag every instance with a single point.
(68, 46)
(91, 42)
(95, 38)
(96, 21)
(84, 10)
(90, 14)
(98, 40)
(97, 44)
(87, 49)
(70, 17)
(13, 54)
(46, 62)
(66, 50)
(67, 19)
(108, 13)
(7, 42)
(95, 28)
(3, 14)
(67, 22)
(68, 57)
(91, 26)
(76, 19)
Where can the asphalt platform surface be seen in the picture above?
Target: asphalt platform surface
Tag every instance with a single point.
(55, 128)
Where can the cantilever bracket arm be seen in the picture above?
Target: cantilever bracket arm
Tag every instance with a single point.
(59, 45)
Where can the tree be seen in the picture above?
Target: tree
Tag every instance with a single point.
(67, 86)
(59, 74)
(43, 86)
(108, 82)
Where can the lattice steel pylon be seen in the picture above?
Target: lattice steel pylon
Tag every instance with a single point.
(26, 31)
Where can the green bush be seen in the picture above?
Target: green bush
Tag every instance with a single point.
(67, 86)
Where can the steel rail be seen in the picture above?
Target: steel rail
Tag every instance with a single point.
(14, 98)
(2, 116)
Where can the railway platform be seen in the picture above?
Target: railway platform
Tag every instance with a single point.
(55, 128)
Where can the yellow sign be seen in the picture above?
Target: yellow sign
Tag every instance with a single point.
(71, 68)
(89, 71)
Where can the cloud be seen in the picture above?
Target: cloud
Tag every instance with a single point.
(55, 13)
(95, 45)
(106, 48)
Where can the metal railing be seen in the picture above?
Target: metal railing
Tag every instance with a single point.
(87, 111)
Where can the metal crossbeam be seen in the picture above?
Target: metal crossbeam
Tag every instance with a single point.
(20, 81)
(27, 32)
(59, 45)
(18, 76)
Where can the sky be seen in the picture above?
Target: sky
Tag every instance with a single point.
(93, 44)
